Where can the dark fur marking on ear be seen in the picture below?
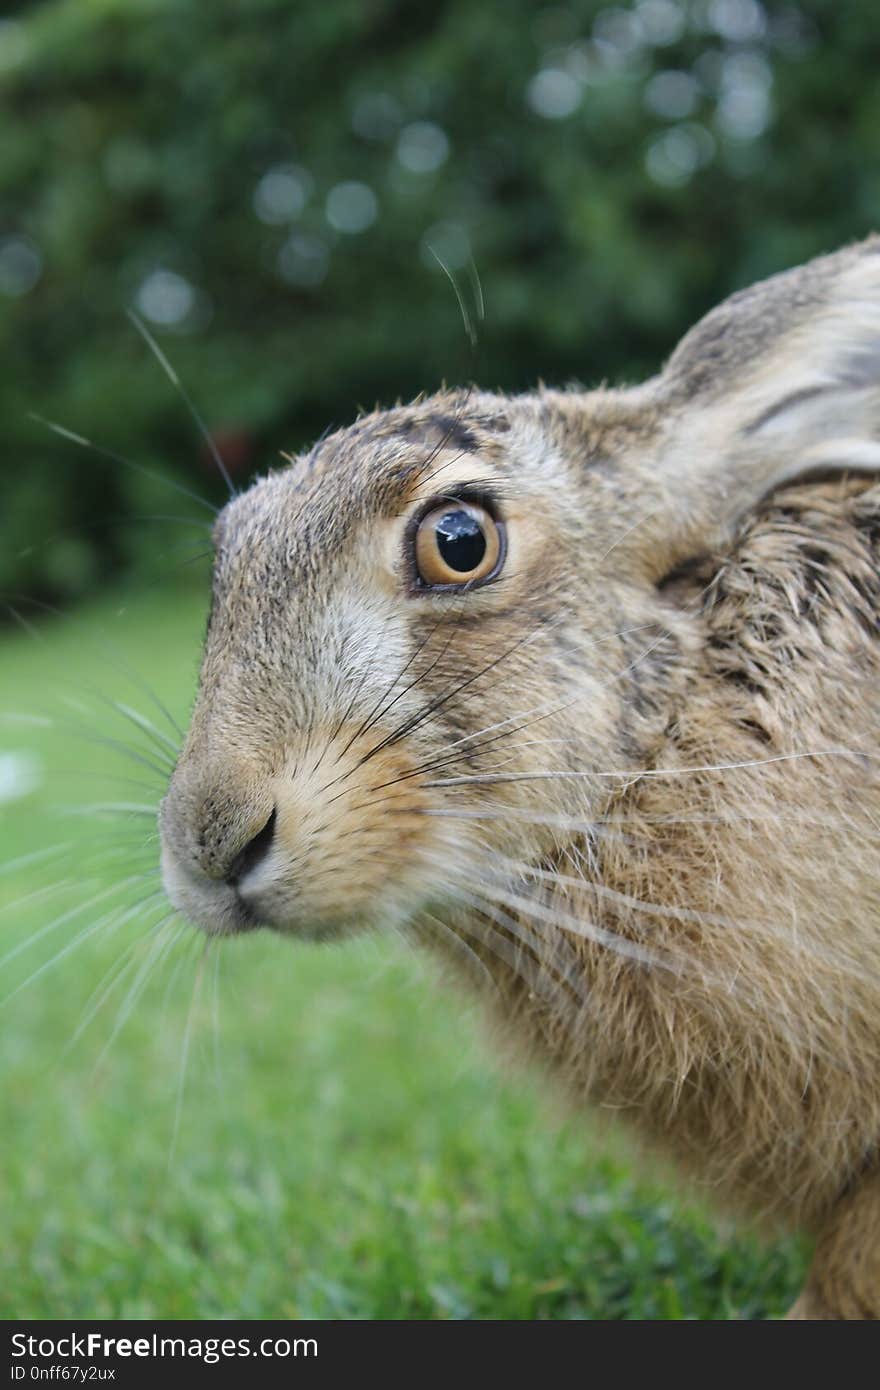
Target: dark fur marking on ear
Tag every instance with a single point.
(457, 434)
(807, 393)
(453, 433)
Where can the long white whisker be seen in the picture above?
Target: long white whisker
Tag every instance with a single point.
(70, 915)
(153, 732)
(628, 532)
(73, 438)
(24, 861)
(215, 1023)
(73, 945)
(471, 960)
(165, 935)
(634, 774)
(555, 917)
(553, 954)
(109, 981)
(184, 1057)
(185, 396)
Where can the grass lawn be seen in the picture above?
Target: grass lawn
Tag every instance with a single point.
(319, 1132)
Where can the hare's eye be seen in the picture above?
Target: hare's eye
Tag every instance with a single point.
(457, 544)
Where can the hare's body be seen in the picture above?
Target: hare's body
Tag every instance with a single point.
(742, 1037)
(628, 767)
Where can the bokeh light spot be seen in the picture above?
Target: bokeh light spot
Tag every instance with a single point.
(13, 44)
(21, 266)
(672, 95)
(676, 155)
(446, 244)
(166, 298)
(661, 22)
(282, 193)
(422, 147)
(351, 207)
(554, 93)
(738, 21)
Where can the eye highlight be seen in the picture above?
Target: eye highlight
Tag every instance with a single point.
(457, 544)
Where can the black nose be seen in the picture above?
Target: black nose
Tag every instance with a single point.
(254, 851)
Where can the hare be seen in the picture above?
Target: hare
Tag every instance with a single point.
(581, 689)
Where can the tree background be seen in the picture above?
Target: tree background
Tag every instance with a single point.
(269, 184)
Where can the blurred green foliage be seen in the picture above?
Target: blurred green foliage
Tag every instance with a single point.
(263, 181)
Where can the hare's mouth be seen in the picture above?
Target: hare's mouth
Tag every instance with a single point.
(260, 898)
(215, 906)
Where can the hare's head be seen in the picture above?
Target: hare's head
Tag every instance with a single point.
(435, 635)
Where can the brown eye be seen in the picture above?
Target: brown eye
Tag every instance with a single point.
(457, 543)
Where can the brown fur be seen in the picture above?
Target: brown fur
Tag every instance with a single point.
(636, 779)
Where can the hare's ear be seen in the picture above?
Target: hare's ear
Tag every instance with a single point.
(781, 381)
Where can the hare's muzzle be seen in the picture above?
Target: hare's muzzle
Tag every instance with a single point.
(217, 851)
(315, 838)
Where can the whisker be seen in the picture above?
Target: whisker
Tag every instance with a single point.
(165, 936)
(123, 462)
(112, 657)
(680, 914)
(599, 936)
(36, 895)
(24, 861)
(554, 953)
(465, 316)
(140, 721)
(184, 1056)
(117, 972)
(551, 956)
(353, 701)
(102, 991)
(132, 808)
(215, 1023)
(477, 288)
(419, 718)
(471, 960)
(515, 956)
(73, 945)
(414, 721)
(633, 773)
(381, 708)
(193, 412)
(647, 516)
(70, 915)
(605, 827)
(161, 770)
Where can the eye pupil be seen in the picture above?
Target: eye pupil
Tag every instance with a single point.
(460, 541)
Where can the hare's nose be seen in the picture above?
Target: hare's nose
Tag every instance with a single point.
(253, 853)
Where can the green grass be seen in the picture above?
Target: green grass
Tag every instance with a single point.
(346, 1146)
